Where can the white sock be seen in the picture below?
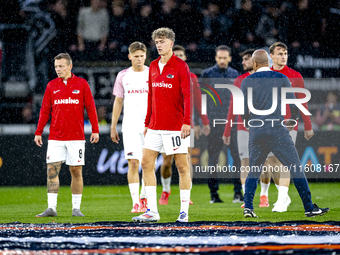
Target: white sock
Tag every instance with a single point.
(151, 196)
(277, 186)
(76, 201)
(166, 182)
(244, 188)
(283, 193)
(142, 191)
(264, 189)
(185, 198)
(52, 200)
(134, 191)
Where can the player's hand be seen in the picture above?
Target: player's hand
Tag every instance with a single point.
(309, 134)
(38, 140)
(145, 130)
(198, 132)
(206, 130)
(185, 131)
(94, 138)
(114, 135)
(290, 125)
(226, 140)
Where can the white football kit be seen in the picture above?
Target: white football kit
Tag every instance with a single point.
(133, 87)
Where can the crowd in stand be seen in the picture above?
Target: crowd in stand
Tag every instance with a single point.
(101, 30)
(108, 27)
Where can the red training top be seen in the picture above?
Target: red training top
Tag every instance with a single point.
(197, 99)
(231, 116)
(296, 81)
(65, 103)
(169, 95)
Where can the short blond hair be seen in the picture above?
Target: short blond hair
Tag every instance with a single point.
(164, 32)
(137, 46)
(64, 56)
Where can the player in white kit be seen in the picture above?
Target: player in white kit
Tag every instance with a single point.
(131, 89)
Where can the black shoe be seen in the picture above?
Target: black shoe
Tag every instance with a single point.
(317, 211)
(215, 199)
(249, 213)
(238, 198)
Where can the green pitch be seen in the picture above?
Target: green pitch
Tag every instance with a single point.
(113, 203)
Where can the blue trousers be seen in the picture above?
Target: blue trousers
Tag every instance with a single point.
(278, 141)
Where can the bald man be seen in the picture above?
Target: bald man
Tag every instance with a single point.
(267, 134)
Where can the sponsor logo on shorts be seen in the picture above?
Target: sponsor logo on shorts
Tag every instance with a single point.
(176, 149)
(79, 160)
(48, 157)
(130, 154)
(75, 91)
(170, 76)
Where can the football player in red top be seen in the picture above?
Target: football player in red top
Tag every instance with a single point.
(279, 55)
(64, 101)
(166, 168)
(167, 122)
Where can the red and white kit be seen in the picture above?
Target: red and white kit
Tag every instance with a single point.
(133, 87)
(168, 106)
(65, 103)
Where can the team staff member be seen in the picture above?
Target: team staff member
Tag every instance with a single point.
(219, 74)
(166, 168)
(131, 88)
(167, 122)
(64, 101)
(268, 138)
(243, 133)
(279, 55)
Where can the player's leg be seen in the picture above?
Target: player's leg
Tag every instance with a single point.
(182, 165)
(75, 158)
(133, 143)
(215, 145)
(56, 154)
(152, 145)
(265, 183)
(282, 181)
(166, 173)
(258, 152)
(243, 150)
(191, 168)
(238, 196)
(133, 180)
(284, 149)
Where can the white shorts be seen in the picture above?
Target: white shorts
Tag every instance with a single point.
(73, 152)
(133, 145)
(168, 142)
(243, 143)
(293, 135)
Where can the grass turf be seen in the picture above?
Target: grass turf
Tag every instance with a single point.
(113, 203)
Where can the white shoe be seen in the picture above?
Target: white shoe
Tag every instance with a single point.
(148, 216)
(281, 206)
(183, 217)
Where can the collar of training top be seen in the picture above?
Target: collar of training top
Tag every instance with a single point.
(262, 69)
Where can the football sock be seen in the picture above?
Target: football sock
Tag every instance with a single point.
(76, 200)
(52, 200)
(264, 189)
(185, 198)
(166, 182)
(151, 196)
(134, 191)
